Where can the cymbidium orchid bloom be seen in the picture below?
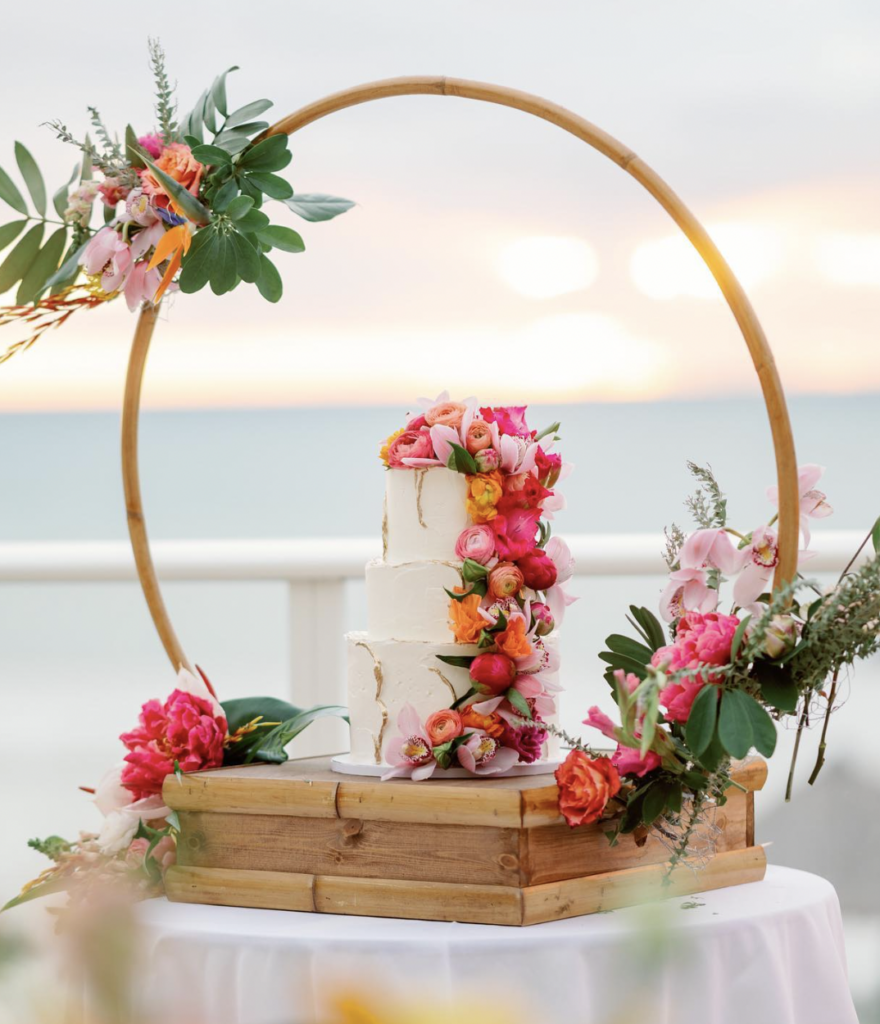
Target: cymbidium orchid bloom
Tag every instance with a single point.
(812, 501)
(410, 752)
(557, 597)
(710, 548)
(761, 558)
(687, 591)
(480, 754)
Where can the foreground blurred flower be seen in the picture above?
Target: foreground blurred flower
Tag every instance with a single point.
(586, 784)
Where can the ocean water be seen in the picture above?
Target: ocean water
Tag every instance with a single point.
(77, 660)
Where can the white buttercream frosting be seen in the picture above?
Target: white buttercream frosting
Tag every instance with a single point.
(424, 514)
(409, 601)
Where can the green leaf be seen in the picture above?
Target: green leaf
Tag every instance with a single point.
(461, 460)
(620, 644)
(315, 206)
(240, 711)
(735, 723)
(19, 261)
(269, 155)
(218, 90)
(247, 259)
(519, 703)
(462, 595)
(66, 274)
(247, 129)
(239, 207)
(57, 884)
(738, 637)
(59, 199)
(457, 660)
(272, 743)
(271, 184)
(763, 728)
(9, 232)
(253, 222)
(198, 262)
(9, 193)
(648, 621)
(247, 113)
(223, 271)
(702, 721)
(208, 111)
(137, 157)
(192, 124)
(875, 536)
(777, 686)
(189, 205)
(225, 194)
(472, 571)
(269, 282)
(232, 142)
(32, 177)
(622, 661)
(653, 802)
(43, 267)
(285, 239)
(213, 156)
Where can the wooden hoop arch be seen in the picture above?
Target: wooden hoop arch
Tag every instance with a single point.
(762, 357)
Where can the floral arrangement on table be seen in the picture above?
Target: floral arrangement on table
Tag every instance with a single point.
(719, 684)
(513, 586)
(182, 208)
(190, 731)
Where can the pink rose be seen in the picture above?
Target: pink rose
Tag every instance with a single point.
(479, 436)
(411, 444)
(505, 580)
(183, 729)
(476, 543)
(417, 422)
(446, 414)
(515, 532)
(511, 419)
(538, 569)
(487, 460)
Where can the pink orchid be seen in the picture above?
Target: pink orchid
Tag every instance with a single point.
(687, 591)
(812, 502)
(761, 558)
(712, 548)
(411, 751)
(102, 248)
(141, 285)
(557, 598)
(483, 755)
(517, 454)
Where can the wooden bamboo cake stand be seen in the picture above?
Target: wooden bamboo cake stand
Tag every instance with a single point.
(298, 837)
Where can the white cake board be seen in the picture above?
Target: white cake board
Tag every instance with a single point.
(343, 764)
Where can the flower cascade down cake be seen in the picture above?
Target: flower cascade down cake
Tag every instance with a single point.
(458, 668)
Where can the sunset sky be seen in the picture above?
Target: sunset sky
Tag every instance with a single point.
(489, 252)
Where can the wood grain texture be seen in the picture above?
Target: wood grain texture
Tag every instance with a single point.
(741, 308)
(438, 901)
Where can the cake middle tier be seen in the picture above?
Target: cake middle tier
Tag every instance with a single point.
(408, 601)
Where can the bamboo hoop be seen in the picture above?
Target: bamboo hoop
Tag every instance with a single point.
(744, 314)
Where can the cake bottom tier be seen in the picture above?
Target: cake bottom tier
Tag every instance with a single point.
(386, 675)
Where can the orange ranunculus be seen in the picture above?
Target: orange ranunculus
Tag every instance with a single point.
(490, 724)
(465, 620)
(512, 641)
(586, 784)
(484, 493)
(443, 726)
(177, 162)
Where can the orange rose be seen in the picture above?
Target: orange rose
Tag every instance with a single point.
(465, 621)
(512, 641)
(586, 784)
(177, 162)
(490, 724)
(484, 493)
(447, 414)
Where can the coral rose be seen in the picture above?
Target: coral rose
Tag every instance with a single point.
(447, 414)
(178, 163)
(443, 726)
(505, 580)
(513, 641)
(492, 725)
(586, 784)
(411, 444)
(484, 492)
(515, 533)
(538, 569)
(492, 674)
(476, 543)
(479, 436)
(465, 620)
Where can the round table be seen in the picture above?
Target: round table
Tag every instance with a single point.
(769, 953)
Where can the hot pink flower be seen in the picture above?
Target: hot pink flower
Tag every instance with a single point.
(812, 501)
(527, 740)
(627, 760)
(183, 729)
(538, 569)
(477, 543)
(411, 444)
(515, 532)
(152, 144)
(411, 752)
(511, 419)
(543, 619)
(549, 467)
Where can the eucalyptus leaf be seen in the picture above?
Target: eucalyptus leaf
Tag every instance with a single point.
(269, 282)
(735, 723)
(32, 177)
(315, 206)
(45, 264)
(249, 128)
(247, 113)
(10, 194)
(9, 232)
(188, 204)
(232, 142)
(702, 721)
(19, 260)
(269, 155)
(285, 239)
(218, 91)
(274, 186)
(208, 111)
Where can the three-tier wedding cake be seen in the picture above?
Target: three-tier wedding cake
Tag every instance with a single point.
(457, 671)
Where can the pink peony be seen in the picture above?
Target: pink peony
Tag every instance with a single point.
(152, 144)
(515, 532)
(538, 569)
(411, 444)
(527, 740)
(183, 729)
(476, 543)
(511, 419)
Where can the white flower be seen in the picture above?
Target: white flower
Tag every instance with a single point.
(117, 832)
(110, 794)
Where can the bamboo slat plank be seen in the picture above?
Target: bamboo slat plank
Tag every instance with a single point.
(267, 890)
(233, 793)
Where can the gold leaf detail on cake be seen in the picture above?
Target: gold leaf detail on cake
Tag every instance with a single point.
(437, 672)
(380, 681)
(420, 483)
(385, 528)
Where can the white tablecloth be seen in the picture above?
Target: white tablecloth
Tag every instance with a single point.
(766, 953)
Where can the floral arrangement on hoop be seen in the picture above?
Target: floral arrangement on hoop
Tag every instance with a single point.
(182, 208)
(190, 731)
(513, 586)
(716, 688)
